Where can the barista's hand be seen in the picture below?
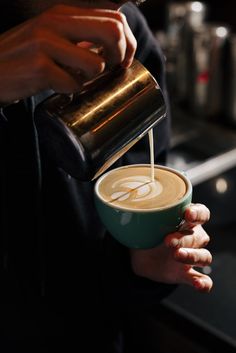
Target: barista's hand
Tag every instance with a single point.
(174, 260)
(51, 51)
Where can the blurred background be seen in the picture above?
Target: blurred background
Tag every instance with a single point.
(199, 43)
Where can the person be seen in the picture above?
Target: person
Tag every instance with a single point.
(65, 283)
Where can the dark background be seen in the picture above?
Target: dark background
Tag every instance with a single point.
(218, 10)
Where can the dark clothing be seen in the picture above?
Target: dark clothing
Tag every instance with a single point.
(65, 283)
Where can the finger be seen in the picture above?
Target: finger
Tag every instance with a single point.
(130, 39)
(192, 238)
(91, 29)
(198, 280)
(196, 214)
(131, 44)
(42, 74)
(77, 58)
(48, 75)
(79, 11)
(61, 82)
(193, 257)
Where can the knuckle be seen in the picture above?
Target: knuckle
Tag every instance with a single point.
(199, 239)
(193, 241)
(39, 21)
(123, 17)
(46, 18)
(117, 30)
(38, 41)
(40, 67)
(195, 257)
(188, 241)
(120, 17)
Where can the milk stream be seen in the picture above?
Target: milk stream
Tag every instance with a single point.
(151, 146)
(139, 187)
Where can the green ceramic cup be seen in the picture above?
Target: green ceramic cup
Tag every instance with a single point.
(141, 228)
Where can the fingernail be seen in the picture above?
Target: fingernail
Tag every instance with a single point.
(197, 284)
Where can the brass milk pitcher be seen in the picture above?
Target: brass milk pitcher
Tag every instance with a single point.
(86, 132)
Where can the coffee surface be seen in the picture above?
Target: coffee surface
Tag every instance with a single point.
(131, 187)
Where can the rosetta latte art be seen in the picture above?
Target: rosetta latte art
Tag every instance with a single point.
(135, 189)
(131, 187)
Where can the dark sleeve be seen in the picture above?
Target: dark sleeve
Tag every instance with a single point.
(124, 289)
(3, 227)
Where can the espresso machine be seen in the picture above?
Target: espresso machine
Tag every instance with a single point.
(86, 132)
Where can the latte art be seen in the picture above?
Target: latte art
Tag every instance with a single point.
(131, 187)
(135, 189)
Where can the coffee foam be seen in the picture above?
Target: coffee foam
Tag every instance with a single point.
(131, 187)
